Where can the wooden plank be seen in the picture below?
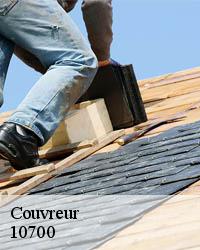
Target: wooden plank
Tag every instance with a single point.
(23, 188)
(69, 161)
(69, 148)
(153, 102)
(171, 78)
(26, 173)
(164, 92)
(91, 121)
(175, 102)
(192, 116)
(109, 148)
(29, 184)
(6, 183)
(137, 134)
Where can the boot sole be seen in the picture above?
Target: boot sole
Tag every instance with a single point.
(6, 154)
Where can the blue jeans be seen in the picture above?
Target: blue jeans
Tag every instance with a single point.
(44, 29)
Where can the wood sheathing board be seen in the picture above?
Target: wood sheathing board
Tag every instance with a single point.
(172, 93)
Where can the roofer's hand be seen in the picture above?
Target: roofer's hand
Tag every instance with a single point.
(29, 59)
(107, 62)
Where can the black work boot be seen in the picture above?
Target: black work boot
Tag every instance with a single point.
(19, 146)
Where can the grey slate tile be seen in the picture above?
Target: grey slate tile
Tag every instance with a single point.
(160, 165)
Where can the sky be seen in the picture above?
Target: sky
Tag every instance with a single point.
(156, 36)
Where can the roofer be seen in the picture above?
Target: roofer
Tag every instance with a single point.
(97, 15)
(43, 29)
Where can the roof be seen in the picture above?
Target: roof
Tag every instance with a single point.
(164, 164)
(160, 165)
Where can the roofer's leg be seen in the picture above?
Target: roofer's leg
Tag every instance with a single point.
(97, 15)
(43, 28)
(6, 51)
